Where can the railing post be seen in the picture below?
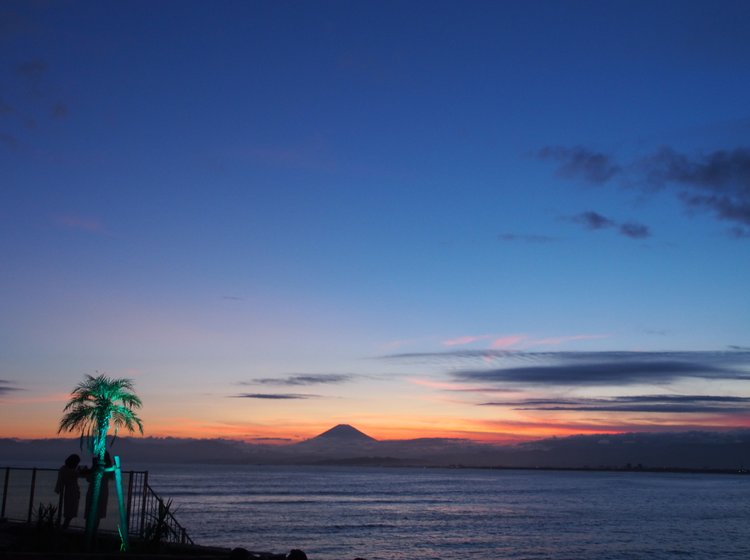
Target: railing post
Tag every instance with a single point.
(142, 530)
(130, 499)
(5, 492)
(31, 493)
(60, 504)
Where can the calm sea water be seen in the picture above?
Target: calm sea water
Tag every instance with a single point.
(337, 513)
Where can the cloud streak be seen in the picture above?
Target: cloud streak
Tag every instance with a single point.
(602, 368)
(580, 162)
(634, 230)
(275, 396)
(504, 342)
(464, 340)
(594, 221)
(7, 387)
(305, 379)
(671, 404)
(526, 238)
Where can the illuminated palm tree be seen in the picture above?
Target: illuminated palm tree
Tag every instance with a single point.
(96, 404)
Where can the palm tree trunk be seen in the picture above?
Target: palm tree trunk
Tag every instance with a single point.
(92, 519)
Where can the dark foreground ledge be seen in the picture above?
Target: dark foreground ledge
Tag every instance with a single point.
(21, 541)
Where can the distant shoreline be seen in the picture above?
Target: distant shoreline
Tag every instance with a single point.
(372, 462)
(684, 452)
(657, 470)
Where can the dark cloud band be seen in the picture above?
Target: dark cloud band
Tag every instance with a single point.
(275, 396)
(305, 379)
(604, 373)
(668, 404)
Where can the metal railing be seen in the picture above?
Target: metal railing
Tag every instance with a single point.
(24, 490)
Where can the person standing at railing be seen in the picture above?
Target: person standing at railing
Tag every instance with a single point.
(67, 487)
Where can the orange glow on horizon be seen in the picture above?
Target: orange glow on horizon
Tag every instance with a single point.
(37, 417)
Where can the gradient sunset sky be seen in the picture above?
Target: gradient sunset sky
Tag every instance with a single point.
(493, 220)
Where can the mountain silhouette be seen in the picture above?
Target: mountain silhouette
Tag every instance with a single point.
(344, 433)
(338, 442)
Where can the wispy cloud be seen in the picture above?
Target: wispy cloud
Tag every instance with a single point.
(70, 221)
(508, 341)
(739, 232)
(464, 340)
(275, 396)
(305, 379)
(580, 162)
(635, 230)
(453, 387)
(526, 238)
(717, 182)
(595, 221)
(8, 387)
(609, 425)
(500, 344)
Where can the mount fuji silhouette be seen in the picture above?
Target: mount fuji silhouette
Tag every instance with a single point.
(344, 433)
(340, 441)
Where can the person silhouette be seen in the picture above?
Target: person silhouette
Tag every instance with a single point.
(67, 487)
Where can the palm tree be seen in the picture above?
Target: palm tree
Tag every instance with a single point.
(96, 404)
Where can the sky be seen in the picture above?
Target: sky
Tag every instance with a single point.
(488, 220)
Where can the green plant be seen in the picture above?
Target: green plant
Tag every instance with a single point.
(44, 534)
(46, 517)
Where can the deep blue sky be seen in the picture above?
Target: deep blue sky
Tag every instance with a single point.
(204, 195)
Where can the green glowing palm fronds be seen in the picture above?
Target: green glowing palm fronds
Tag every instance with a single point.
(98, 403)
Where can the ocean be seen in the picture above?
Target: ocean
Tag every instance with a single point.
(339, 513)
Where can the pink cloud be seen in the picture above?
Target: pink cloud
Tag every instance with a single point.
(508, 341)
(463, 340)
(77, 222)
(518, 340)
